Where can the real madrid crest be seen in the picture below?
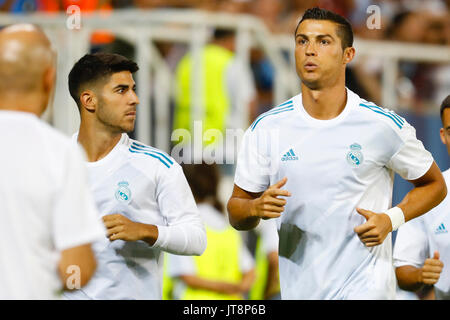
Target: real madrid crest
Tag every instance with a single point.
(355, 157)
(123, 193)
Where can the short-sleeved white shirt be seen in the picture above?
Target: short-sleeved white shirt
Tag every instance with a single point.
(145, 185)
(267, 230)
(332, 166)
(417, 240)
(45, 206)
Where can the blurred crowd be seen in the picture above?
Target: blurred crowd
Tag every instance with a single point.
(420, 86)
(429, 21)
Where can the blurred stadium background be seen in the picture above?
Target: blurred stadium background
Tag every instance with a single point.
(403, 65)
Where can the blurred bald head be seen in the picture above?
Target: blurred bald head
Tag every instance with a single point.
(27, 71)
(25, 57)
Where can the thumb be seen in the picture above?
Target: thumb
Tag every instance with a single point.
(365, 213)
(436, 255)
(280, 183)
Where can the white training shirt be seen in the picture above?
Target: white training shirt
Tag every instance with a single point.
(145, 185)
(417, 240)
(332, 166)
(45, 206)
(185, 265)
(267, 230)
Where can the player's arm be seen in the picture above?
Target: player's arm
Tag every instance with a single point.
(273, 281)
(183, 232)
(246, 208)
(248, 278)
(411, 278)
(75, 222)
(177, 237)
(119, 227)
(196, 282)
(413, 266)
(429, 190)
(81, 257)
(219, 286)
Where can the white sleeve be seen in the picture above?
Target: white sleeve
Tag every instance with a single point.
(246, 261)
(411, 244)
(269, 235)
(253, 167)
(184, 232)
(411, 161)
(75, 216)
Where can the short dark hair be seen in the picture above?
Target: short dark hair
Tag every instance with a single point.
(223, 33)
(93, 67)
(204, 179)
(445, 104)
(344, 31)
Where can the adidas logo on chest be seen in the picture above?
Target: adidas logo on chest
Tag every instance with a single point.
(289, 156)
(440, 229)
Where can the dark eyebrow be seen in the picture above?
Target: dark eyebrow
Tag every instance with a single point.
(320, 36)
(121, 86)
(447, 128)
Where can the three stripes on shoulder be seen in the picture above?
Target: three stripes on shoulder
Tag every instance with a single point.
(284, 107)
(399, 121)
(289, 106)
(152, 152)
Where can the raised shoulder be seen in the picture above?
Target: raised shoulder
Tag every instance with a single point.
(139, 150)
(383, 114)
(282, 110)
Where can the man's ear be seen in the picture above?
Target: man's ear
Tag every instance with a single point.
(442, 135)
(49, 80)
(88, 100)
(349, 54)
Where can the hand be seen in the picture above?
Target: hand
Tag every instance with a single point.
(268, 205)
(228, 288)
(431, 270)
(119, 227)
(375, 229)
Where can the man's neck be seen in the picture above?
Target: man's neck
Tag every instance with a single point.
(326, 103)
(23, 103)
(97, 143)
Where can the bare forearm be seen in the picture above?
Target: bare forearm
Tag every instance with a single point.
(77, 265)
(424, 196)
(240, 214)
(149, 233)
(247, 280)
(272, 285)
(211, 285)
(409, 278)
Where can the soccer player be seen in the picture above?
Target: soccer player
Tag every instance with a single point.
(141, 192)
(49, 219)
(422, 247)
(322, 163)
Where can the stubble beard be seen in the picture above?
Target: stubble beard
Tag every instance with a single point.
(109, 122)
